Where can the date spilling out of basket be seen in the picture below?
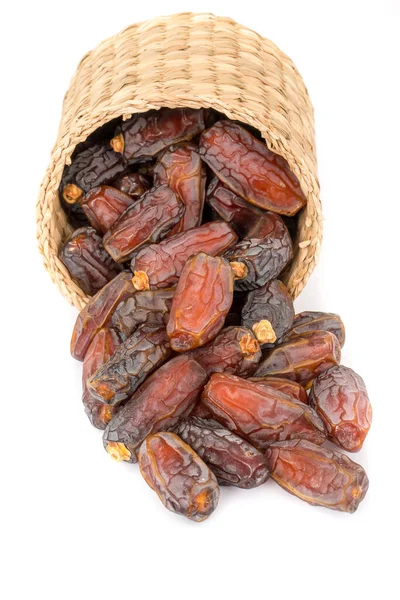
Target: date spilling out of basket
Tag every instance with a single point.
(194, 361)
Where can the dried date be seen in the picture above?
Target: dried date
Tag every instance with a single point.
(268, 311)
(87, 262)
(103, 205)
(102, 347)
(230, 207)
(181, 168)
(340, 397)
(262, 259)
(150, 307)
(201, 302)
(133, 184)
(317, 475)
(160, 265)
(96, 165)
(302, 358)
(250, 169)
(232, 460)
(98, 312)
(147, 220)
(235, 350)
(183, 482)
(140, 354)
(157, 405)
(290, 388)
(262, 415)
(316, 321)
(145, 135)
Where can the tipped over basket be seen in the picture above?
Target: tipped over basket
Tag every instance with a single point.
(187, 60)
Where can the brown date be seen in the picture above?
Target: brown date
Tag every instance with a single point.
(147, 220)
(98, 311)
(302, 358)
(232, 460)
(230, 207)
(145, 135)
(93, 166)
(76, 216)
(158, 404)
(262, 415)
(235, 350)
(268, 311)
(290, 388)
(263, 258)
(181, 168)
(183, 482)
(313, 321)
(150, 307)
(133, 184)
(340, 398)
(103, 205)
(87, 262)
(103, 346)
(140, 354)
(250, 169)
(201, 302)
(317, 475)
(160, 265)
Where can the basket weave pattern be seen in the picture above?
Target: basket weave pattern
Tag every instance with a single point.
(191, 60)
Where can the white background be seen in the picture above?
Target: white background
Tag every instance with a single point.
(74, 523)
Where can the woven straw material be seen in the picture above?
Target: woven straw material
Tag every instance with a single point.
(191, 60)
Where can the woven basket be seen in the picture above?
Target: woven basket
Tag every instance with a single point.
(191, 60)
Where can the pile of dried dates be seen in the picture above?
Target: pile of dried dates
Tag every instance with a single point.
(194, 362)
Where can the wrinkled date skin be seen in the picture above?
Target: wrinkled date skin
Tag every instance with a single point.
(75, 214)
(340, 398)
(183, 482)
(93, 166)
(250, 169)
(103, 346)
(271, 302)
(150, 307)
(160, 265)
(147, 220)
(230, 207)
(87, 262)
(98, 312)
(290, 388)
(201, 302)
(145, 135)
(232, 460)
(103, 205)
(264, 258)
(164, 397)
(314, 321)
(181, 168)
(235, 350)
(133, 184)
(262, 415)
(303, 358)
(318, 475)
(140, 354)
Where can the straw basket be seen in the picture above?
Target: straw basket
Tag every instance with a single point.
(191, 60)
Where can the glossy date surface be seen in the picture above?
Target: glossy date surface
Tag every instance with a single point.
(230, 207)
(140, 354)
(103, 205)
(168, 394)
(261, 415)
(151, 307)
(133, 184)
(160, 265)
(318, 475)
(290, 388)
(201, 302)
(183, 482)
(317, 321)
(232, 460)
(87, 262)
(340, 397)
(250, 169)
